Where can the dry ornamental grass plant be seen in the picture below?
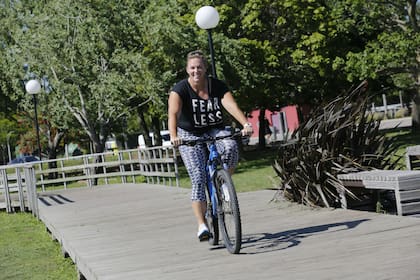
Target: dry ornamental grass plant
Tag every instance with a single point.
(338, 138)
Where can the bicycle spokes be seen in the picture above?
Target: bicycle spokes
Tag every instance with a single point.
(228, 213)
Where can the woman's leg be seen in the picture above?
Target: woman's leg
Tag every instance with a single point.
(228, 148)
(194, 158)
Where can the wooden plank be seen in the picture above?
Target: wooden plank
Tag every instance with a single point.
(410, 195)
(413, 157)
(411, 208)
(148, 232)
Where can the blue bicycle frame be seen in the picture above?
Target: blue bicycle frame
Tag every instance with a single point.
(211, 171)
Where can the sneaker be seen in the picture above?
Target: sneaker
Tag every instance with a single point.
(203, 233)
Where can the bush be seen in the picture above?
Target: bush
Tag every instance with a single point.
(338, 138)
(401, 113)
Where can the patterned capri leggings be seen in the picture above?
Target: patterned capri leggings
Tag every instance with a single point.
(195, 157)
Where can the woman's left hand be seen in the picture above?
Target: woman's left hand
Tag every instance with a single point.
(247, 130)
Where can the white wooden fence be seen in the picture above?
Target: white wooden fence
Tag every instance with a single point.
(19, 183)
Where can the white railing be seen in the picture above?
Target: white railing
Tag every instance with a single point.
(156, 165)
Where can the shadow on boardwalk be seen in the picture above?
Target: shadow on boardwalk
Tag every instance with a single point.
(268, 242)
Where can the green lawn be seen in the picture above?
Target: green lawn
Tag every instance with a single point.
(403, 139)
(27, 251)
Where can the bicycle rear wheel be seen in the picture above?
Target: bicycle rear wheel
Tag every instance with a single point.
(228, 212)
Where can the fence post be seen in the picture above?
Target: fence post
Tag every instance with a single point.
(122, 168)
(6, 191)
(30, 181)
(20, 189)
(175, 166)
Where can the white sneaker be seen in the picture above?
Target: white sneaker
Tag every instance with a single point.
(203, 233)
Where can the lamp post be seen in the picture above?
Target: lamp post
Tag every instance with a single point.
(207, 18)
(33, 87)
(8, 145)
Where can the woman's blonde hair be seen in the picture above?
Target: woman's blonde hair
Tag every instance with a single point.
(197, 54)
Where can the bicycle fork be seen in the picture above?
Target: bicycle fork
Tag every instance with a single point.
(212, 189)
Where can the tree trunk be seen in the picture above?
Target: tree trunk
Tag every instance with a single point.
(415, 112)
(156, 131)
(53, 143)
(144, 127)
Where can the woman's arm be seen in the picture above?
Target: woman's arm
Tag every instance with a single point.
(174, 109)
(232, 107)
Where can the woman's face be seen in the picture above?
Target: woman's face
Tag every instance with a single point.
(196, 69)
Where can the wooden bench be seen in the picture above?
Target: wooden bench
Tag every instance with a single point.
(412, 157)
(404, 183)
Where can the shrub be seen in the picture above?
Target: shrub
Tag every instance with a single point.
(338, 138)
(401, 113)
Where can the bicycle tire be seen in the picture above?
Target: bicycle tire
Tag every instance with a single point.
(212, 223)
(228, 212)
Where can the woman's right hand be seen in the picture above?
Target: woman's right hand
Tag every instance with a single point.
(176, 141)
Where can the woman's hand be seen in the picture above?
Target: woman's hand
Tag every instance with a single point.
(247, 130)
(176, 141)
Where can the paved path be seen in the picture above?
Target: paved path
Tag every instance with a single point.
(148, 232)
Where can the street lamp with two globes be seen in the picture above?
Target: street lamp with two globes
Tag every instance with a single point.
(207, 18)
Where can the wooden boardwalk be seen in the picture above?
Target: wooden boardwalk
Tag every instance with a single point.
(148, 232)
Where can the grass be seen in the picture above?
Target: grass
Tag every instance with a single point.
(27, 251)
(403, 139)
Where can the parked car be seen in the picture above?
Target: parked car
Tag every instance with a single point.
(23, 159)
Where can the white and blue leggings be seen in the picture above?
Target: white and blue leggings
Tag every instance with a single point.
(195, 158)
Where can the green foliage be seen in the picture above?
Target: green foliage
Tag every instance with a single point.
(112, 60)
(337, 138)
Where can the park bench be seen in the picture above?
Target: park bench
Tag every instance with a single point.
(412, 157)
(405, 184)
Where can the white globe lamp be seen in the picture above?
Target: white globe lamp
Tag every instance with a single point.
(33, 87)
(207, 17)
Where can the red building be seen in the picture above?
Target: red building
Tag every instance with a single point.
(281, 122)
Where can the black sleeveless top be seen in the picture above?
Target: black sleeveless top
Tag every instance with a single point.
(199, 115)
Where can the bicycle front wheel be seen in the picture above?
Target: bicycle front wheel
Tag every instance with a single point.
(228, 212)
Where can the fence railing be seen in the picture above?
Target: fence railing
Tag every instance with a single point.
(19, 183)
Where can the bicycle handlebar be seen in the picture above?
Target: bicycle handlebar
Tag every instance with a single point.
(210, 139)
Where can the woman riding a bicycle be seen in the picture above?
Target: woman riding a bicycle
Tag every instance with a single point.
(194, 112)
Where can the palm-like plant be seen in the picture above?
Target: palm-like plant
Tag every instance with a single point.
(338, 138)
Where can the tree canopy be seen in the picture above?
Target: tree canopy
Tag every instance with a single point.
(109, 61)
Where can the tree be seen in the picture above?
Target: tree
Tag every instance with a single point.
(107, 61)
(8, 137)
(392, 58)
(20, 47)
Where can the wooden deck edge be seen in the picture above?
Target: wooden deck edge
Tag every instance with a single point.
(83, 271)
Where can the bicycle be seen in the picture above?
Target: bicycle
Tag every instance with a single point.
(222, 202)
